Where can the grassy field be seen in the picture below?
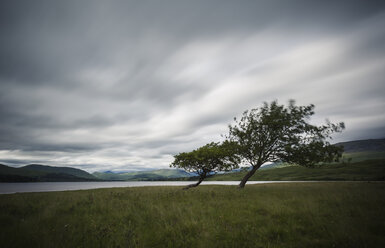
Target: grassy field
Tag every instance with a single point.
(362, 156)
(369, 170)
(328, 214)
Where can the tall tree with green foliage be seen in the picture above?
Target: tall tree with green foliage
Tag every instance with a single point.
(208, 159)
(276, 132)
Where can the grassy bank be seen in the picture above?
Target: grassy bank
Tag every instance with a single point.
(281, 215)
(369, 170)
(362, 156)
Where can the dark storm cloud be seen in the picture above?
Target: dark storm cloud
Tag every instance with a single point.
(44, 40)
(115, 84)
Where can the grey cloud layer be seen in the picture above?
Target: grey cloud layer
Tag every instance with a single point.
(126, 84)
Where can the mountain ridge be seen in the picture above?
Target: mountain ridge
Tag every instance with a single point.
(366, 145)
(159, 174)
(43, 173)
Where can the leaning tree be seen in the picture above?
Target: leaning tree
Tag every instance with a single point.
(208, 159)
(276, 132)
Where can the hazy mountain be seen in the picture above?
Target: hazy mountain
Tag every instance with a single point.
(275, 165)
(162, 174)
(370, 145)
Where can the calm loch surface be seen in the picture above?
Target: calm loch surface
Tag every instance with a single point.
(9, 188)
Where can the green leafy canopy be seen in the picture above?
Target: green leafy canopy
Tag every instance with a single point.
(209, 158)
(276, 132)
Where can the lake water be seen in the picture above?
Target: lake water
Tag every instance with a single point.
(9, 188)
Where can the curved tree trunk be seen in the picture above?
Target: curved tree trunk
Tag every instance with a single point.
(201, 178)
(248, 175)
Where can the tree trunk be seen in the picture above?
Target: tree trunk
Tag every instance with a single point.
(195, 184)
(248, 175)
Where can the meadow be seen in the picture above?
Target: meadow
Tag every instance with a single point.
(326, 214)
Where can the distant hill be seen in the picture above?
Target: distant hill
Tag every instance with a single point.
(357, 150)
(43, 173)
(64, 170)
(369, 145)
(162, 174)
(354, 151)
(361, 150)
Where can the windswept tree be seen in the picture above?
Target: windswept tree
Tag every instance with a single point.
(276, 132)
(208, 159)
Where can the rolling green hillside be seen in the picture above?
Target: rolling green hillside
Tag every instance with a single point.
(43, 173)
(163, 174)
(362, 156)
(10, 174)
(362, 160)
(65, 170)
(354, 151)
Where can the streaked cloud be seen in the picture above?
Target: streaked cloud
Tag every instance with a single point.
(127, 84)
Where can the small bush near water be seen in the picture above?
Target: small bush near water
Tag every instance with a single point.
(327, 214)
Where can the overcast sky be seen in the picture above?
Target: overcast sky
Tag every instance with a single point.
(124, 85)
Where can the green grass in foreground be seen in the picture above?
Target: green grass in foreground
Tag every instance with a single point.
(369, 170)
(327, 214)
